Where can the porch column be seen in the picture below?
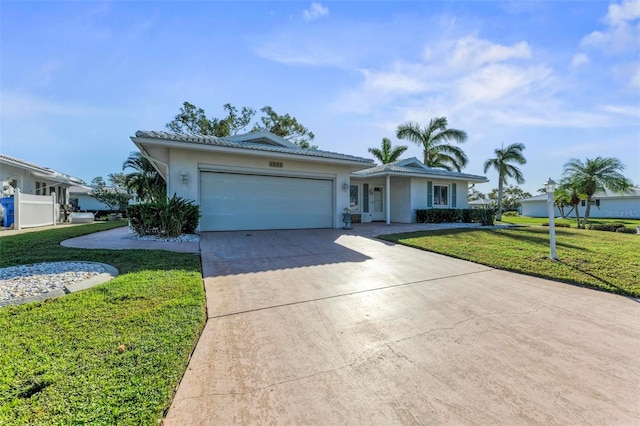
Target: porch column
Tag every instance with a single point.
(388, 192)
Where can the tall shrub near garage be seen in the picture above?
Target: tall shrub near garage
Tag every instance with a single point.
(170, 217)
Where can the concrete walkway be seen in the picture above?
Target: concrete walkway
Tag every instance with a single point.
(335, 327)
(119, 239)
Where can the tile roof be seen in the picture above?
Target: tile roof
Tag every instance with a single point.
(399, 168)
(44, 172)
(222, 142)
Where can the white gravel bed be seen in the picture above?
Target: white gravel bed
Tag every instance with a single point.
(17, 282)
(184, 238)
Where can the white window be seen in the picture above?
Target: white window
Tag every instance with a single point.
(354, 196)
(440, 195)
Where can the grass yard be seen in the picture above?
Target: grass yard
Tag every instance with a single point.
(113, 354)
(607, 261)
(525, 220)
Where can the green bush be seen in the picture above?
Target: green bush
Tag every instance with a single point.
(611, 227)
(511, 213)
(483, 216)
(625, 230)
(558, 225)
(170, 217)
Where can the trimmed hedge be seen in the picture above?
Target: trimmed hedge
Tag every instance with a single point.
(170, 217)
(611, 227)
(558, 225)
(626, 230)
(483, 216)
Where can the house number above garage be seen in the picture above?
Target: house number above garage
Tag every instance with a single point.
(276, 164)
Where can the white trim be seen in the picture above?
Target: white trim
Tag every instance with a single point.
(204, 167)
(433, 196)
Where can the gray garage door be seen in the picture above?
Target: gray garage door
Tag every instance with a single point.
(249, 202)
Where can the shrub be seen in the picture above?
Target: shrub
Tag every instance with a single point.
(558, 225)
(611, 227)
(625, 230)
(484, 216)
(511, 213)
(170, 217)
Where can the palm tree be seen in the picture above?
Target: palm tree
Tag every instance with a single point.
(501, 162)
(146, 182)
(433, 140)
(388, 154)
(568, 192)
(595, 175)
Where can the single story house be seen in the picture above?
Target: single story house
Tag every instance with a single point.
(605, 204)
(262, 181)
(81, 199)
(393, 192)
(33, 179)
(27, 190)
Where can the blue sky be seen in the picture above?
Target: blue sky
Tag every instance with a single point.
(79, 78)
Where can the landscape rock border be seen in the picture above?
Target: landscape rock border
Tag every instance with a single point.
(109, 273)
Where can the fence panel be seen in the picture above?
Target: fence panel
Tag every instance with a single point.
(35, 210)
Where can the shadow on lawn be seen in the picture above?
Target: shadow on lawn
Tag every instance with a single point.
(518, 234)
(615, 288)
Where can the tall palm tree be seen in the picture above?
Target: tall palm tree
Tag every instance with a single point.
(433, 139)
(145, 181)
(501, 163)
(596, 175)
(388, 154)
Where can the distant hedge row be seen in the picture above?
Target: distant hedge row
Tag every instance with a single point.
(485, 217)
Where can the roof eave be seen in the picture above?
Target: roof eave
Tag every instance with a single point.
(356, 164)
(475, 179)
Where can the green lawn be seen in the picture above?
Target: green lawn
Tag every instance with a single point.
(525, 220)
(113, 354)
(607, 261)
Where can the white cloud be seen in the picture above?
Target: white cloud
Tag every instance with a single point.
(315, 11)
(622, 33)
(579, 59)
(618, 14)
(470, 51)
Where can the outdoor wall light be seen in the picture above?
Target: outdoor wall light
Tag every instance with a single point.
(184, 177)
(345, 186)
(550, 186)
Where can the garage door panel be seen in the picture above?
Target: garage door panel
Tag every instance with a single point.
(243, 202)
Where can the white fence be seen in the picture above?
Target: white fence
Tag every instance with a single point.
(34, 210)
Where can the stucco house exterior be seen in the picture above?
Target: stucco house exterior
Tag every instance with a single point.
(393, 192)
(24, 182)
(604, 205)
(262, 181)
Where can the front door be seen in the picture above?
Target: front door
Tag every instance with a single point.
(377, 203)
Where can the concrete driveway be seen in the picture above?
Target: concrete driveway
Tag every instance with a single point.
(335, 327)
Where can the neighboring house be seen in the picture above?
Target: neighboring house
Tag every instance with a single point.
(33, 179)
(81, 198)
(262, 181)
(35, 184)
(603, 205)
(393, 192)
(481, 204)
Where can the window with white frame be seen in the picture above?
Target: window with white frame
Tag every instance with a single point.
(354, 196)
(440, 195)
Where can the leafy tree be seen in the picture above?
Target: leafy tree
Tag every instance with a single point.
(145, 181)
(98, 181)
(386, 153)
(193, 120)
(595, 175)
(117, 199)
(433, 139)
(118, 179)
(285, 126)
(511, 197)
(473, 194)
(502, 163)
